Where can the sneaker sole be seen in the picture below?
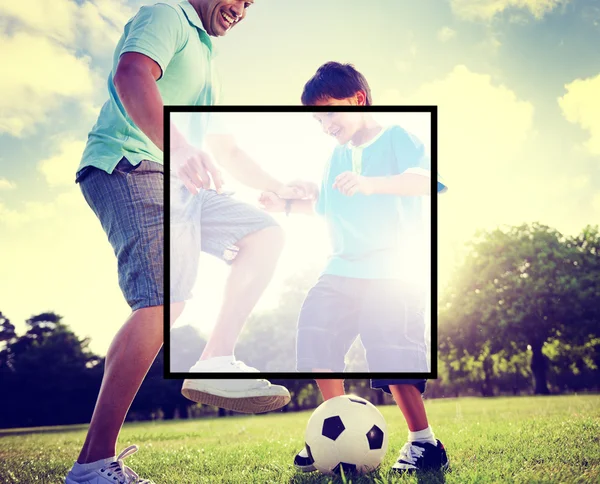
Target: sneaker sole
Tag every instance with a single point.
(309, 468)
(237, 404)
(444, 468)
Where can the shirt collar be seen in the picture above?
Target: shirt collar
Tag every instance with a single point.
(370, 142)
(196, 21)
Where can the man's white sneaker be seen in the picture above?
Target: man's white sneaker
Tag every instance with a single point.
(114, 472)
(222, 364)
(245, 396)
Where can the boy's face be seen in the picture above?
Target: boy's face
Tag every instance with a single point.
(220, 16)
(341, 125)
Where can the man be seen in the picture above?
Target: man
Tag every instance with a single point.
(165, 57)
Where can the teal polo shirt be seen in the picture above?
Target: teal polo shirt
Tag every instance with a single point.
(174, 37)
(376, 236)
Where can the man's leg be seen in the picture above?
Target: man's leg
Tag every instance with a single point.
(138, 341)
(226, 224)
(114, 198)
(251, 272)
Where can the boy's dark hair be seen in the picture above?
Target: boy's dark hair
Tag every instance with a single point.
(335, 80)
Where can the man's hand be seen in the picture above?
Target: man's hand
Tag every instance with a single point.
(195, 168)
(309, 189)
(290, 192)
(270, 202)
(350, 183)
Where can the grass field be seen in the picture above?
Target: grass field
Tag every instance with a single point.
(523, 439)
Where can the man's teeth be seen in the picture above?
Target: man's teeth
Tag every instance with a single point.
(228, 18)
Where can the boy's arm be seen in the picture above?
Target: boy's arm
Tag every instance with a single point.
(406, 184)
(412, 167)
(244, 169)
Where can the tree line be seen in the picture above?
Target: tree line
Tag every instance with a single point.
(521, 315)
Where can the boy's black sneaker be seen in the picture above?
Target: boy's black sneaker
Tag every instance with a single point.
(304, 461)
(421, 456)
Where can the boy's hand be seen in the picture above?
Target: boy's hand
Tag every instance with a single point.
(195, 168)
(309, 189)
(271, 202)
(350, 183)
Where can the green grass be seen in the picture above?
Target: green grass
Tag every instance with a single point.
(525, 440)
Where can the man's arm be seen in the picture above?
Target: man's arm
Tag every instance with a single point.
(244, 169)
(135, 82)
(272, 203)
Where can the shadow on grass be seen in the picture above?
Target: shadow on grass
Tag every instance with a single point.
(379, 477)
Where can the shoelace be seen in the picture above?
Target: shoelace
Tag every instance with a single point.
(118, 470)
(243, 367)
(411, 453)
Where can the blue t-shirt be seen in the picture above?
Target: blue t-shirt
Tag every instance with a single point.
(372, 235)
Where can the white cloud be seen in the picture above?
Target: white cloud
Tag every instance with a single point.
(7, 184)
(445, 34)
(38, 40)
(581, 105)
(482, 130)
(101, 25)
(54, 20)
(60, 168)
(487, 9)
(42, 75)
(69, 22)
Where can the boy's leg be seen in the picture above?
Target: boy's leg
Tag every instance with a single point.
(330, 388)
(392, 326)
(327, 327)
(422, 451)
(410, 401)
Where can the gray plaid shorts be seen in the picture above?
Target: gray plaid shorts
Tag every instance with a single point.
(129, 203)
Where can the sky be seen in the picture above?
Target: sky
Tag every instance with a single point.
(516, 82)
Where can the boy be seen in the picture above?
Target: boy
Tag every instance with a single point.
(370, 198)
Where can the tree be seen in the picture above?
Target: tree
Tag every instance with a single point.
(518, 289)
(51, 377)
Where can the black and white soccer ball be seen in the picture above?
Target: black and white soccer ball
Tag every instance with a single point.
(347, 432)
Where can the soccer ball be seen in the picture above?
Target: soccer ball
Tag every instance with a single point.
(347, 432)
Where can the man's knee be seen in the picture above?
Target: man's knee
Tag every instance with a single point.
(149, 311)
(270, 240)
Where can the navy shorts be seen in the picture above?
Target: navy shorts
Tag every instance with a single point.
(387, 314)
(129, 203)
(385, 384)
